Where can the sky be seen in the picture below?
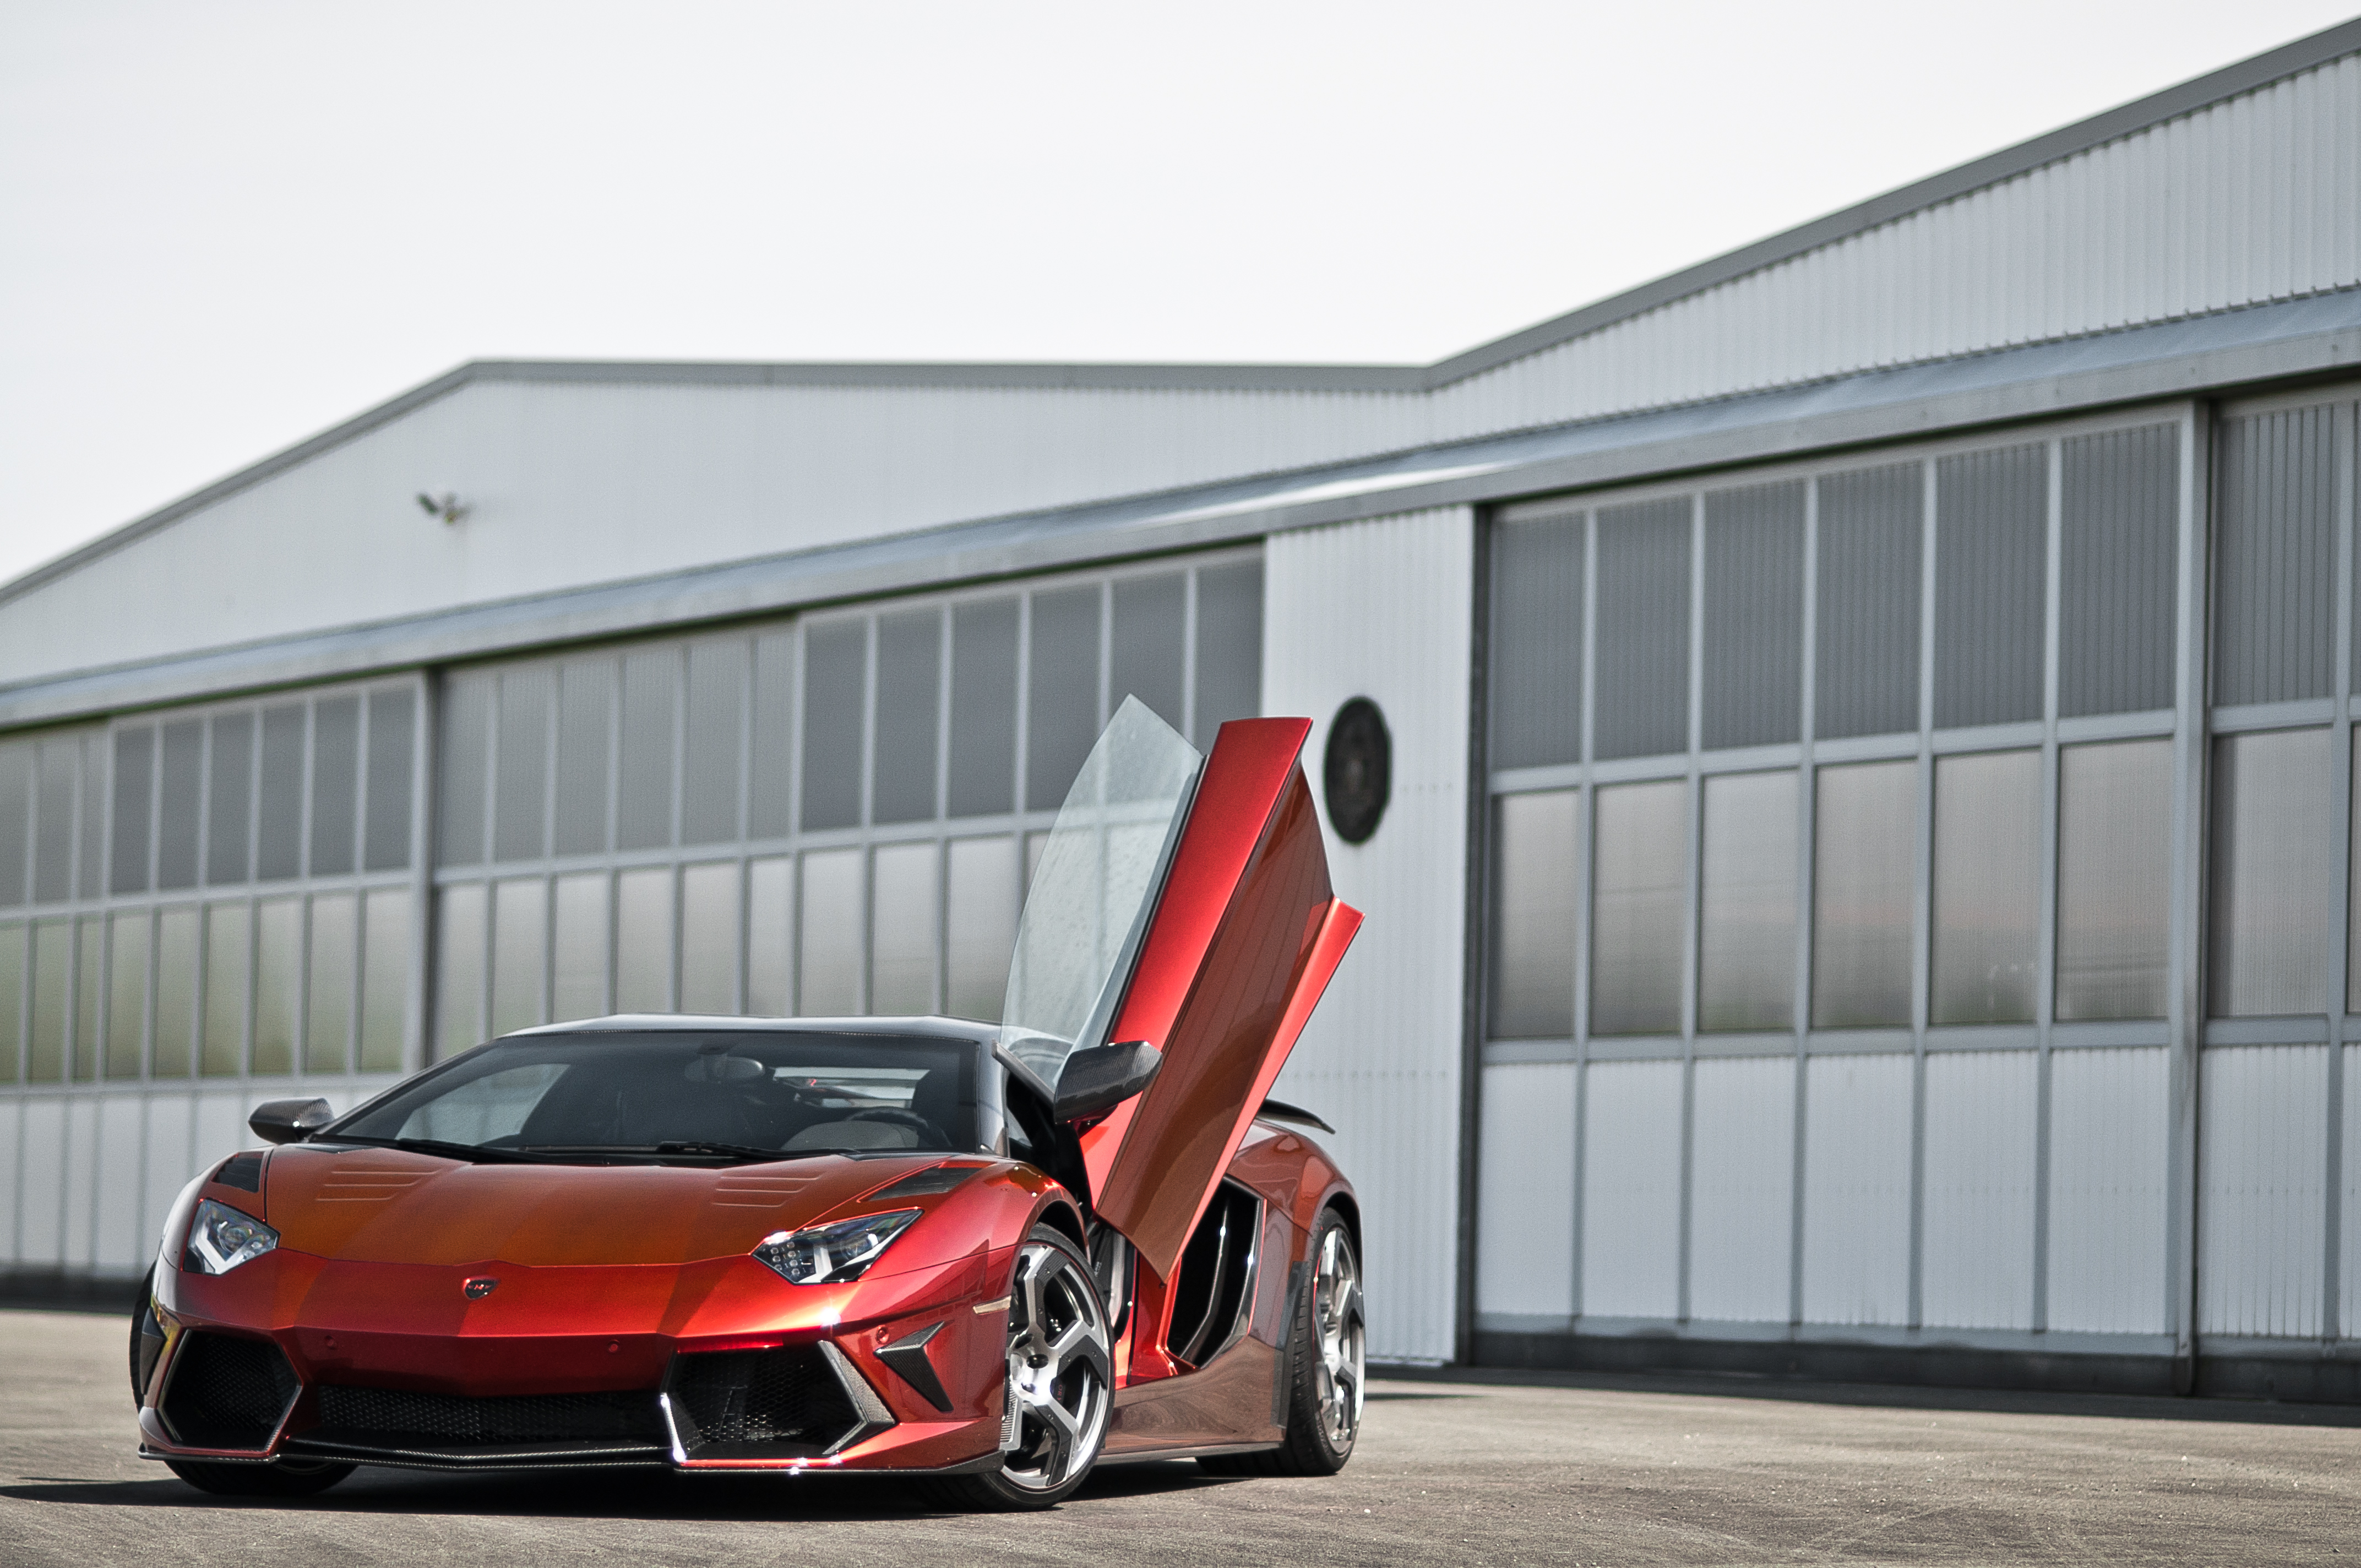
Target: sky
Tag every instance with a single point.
(225, 226)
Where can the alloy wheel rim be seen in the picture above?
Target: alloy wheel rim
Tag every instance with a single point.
(1337, 1319)
(1059, 1371)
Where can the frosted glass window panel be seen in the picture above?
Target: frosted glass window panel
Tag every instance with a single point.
(578, 955)
(229, 796)
(520, 944)
(90, 817)
(2271, 885)
(1536, 689)
(2115, 879)
(277, 983)
(2275, 533)
(1229, 649)
(1992, 552)
(520, 796)
(1536, 894)
(980, 933)
(459, 968)
(586, 714)
(1754, 686)
(385, 836)
(1864, 871)
(173, 1055)
(52, 962)
(180, 780)
(643, 804)
(1987, 887)
(53, 840)
(1865, 614)
(835, 664)
(1062, 693)
(1642, 648)
(832, 921)
(909, 682)
(983, 707)
(2353, 923)
(771, 768)
(1035, 843)
(385, 978)
(2118, 570)
(12, 1000)
(16, 820)
(90, 936)
(127, 994)
(336, 784)
(709, 937)
(1149, 658)
(229, 961)
(279, 838)
(709, 767)
(644, 941)
(902, 930)
(328, 1010)
(770, 929)
(462, 803)
(135, 774)
(1641, 862)
(1746, 927)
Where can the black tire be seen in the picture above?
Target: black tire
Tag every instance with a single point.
(138, 1322)
(1057, 1322)
(288, 1478)
(1324, 1369)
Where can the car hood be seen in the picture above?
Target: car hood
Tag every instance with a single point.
(393, 1206)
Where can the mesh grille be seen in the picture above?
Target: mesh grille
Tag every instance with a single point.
(773, 1398)
(228, 1393)
(384, 1417)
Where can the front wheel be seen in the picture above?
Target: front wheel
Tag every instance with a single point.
(288, 1478)
(1060, 1382)
(1326, 1353)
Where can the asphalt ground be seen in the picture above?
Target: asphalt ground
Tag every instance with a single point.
(1451, 1469)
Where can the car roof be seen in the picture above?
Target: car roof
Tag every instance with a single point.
(965, 1029)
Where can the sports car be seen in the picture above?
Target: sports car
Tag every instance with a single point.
(986, 1254)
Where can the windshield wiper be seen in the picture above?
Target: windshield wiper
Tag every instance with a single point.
(472, 1152)
(674, 1146)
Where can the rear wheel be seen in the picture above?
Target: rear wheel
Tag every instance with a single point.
(288, 1478)
(1326, 1358)
(1060, 1382)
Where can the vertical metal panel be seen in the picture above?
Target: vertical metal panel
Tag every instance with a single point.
(1865, 668)
(1857, 1189)
(2275, 557)
(2261, 1209)
(1632, 1189)
(1534, 693)
(1524, 1260)
(81, 1182)
(1643, 685)
(118, 1153)
(169, 1166)
(2348, 1251)
(40, 1203)
(1754, 614)
(1741, 1194)
(1991, 554)
(1980, 1126)
(1384, 609)
(1229, 658)
(2270, 882)
(2118, 579)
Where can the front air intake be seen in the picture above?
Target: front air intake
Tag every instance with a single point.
(226, 1393)
(796, 1403)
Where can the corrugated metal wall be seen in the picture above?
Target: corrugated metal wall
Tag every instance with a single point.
(1383, 609)
(2107, 1177)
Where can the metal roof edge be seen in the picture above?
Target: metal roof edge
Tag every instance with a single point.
(2198, 357)
(961, 375)
(2244, 76)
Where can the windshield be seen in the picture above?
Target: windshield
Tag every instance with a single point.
(1089, 902)
(676, 1092)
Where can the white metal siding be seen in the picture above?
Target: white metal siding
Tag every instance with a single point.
(2108, 1121)
(1524, 1226)
(80, 1176)
(1741, 1190)
(2348, 1295)
(40, 1196)
(1857, 1189)
(1383, 609)
(121, 1150)
(1631, 1191)
(2261, 1203)
(1982, 1119)
(171, 1164)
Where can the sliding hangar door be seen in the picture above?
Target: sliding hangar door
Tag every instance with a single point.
(1920, 911)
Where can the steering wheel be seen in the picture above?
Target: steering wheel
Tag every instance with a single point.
(926, 1130)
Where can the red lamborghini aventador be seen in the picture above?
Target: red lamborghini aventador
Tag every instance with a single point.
(987, 1254)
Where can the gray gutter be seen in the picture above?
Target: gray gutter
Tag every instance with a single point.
(2205, 355)
(2303, 54)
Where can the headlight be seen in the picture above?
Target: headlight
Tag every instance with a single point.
(831, 1255)
(220, 1238)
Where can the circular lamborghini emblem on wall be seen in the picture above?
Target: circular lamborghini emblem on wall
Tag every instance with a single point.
(477, 1289)
(1357, 773)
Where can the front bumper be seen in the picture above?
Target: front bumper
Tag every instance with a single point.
(707, 1366)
